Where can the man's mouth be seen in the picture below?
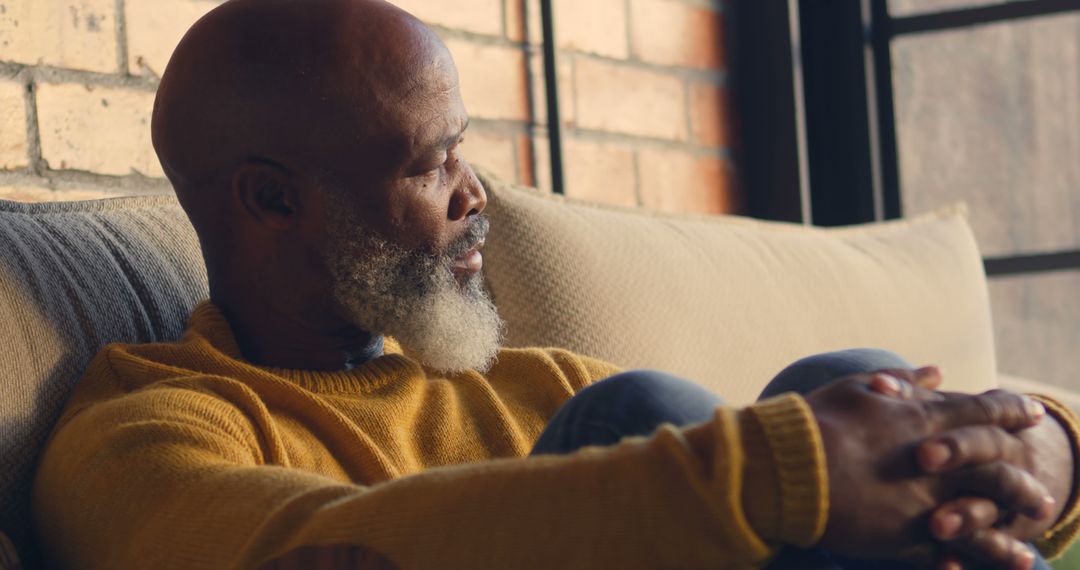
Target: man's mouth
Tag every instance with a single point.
(470, 262)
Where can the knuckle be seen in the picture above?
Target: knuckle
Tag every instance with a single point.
(1023, 490)
(989, 408)
(998, 443)
(999, 545)
(982, 514)
(988, 545)
(1017, 552)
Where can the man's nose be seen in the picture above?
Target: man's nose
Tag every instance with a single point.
(469, 197)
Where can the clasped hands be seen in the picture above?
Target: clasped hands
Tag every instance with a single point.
(939, 479)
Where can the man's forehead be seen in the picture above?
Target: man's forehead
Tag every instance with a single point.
(432, 109)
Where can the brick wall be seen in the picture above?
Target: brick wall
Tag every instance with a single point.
(643, 95)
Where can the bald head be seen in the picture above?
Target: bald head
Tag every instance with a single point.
(315, 145)
(304, 84)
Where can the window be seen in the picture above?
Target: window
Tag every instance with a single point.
(865, 110)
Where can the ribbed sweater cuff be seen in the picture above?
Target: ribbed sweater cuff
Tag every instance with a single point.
(1056, 540)
(799, 458)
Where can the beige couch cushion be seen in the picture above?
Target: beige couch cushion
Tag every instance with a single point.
(74, 277)
(729, 301)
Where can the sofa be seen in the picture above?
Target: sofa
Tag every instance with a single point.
(726, 301)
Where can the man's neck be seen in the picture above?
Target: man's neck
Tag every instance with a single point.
(273, 336)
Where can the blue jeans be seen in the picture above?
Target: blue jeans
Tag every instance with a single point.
(637, 402)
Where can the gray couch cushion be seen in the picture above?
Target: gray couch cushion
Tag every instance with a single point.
(73, 277)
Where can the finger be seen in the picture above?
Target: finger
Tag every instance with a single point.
(889, 384)
(928, 377)
(1007, 410)
(970, 445)
(960, 518)
(1011, 487)
(996, 549)
(950, 562)
(901, 384)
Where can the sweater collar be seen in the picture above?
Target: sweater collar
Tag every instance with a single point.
(208, 328)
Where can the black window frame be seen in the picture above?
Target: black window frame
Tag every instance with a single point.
(814, 87)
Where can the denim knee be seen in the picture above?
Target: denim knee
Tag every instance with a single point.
(627, 404)
(812, 372)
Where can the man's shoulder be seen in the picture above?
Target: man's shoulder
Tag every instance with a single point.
(122, 369)
(149, 361)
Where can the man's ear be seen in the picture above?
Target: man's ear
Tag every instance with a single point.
(267, 193)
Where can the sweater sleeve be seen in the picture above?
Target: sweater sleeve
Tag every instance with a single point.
(168, 478)
(1056, 540)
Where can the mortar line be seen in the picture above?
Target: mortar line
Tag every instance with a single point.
(121, 39)
(476, 37)
(716, 76)
(503, 126)
(645, 141)
(50, 74)
(60, 180)
(34, 155)
(504, 13)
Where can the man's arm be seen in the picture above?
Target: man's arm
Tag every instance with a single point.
(157, 480)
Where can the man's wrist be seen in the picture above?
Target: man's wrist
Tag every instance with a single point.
(786, 489)
(1062, 429)
(761, 485)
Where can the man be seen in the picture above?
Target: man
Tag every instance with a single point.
(315, 145)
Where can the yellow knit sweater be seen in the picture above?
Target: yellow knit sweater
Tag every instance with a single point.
(184, 455)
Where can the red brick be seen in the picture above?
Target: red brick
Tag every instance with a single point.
(600, 172)
(669, 32)
(623, 99)
(479, 16)
(493, 82)
(711, 115)
(155, 27)
(592, 26)
(516, 26)
(566, 90)
(595, 171)
(493, 151)
(13, 145)
(677, 181)
(76, 34)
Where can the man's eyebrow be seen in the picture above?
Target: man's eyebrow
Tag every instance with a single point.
(446, 142)
(453, 139)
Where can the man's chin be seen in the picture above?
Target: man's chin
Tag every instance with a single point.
(457, 336)
(453, 329)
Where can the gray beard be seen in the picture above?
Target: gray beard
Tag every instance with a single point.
(413, 296)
